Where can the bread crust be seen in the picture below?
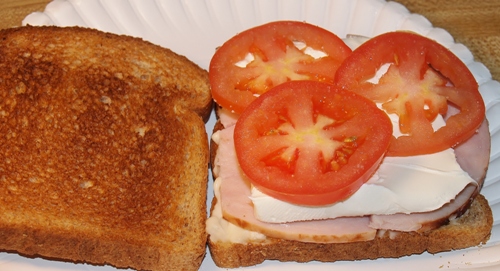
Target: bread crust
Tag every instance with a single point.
(104, 150)
(473, 228)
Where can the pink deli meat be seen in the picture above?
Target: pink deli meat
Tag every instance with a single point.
(472, 155)
(237, 207)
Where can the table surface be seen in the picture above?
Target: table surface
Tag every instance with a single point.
(475, 23)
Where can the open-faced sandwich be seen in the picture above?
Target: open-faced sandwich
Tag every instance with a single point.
(326, 153)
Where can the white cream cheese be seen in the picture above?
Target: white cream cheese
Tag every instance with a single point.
(401, 185)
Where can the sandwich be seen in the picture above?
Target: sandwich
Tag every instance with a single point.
(104, 153)
(419, 196)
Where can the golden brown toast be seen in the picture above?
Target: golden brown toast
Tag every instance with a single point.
(471, 229)
(104, 152)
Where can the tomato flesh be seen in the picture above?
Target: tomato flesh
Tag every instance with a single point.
(254, 61)
(406, 96)
(423, 80)
(311, 143)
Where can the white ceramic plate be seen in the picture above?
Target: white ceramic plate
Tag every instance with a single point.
(195, 28)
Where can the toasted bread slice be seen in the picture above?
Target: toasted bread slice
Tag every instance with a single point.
(104, 151)
(471, 229)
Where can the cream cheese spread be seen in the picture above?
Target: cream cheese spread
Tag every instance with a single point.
(401, 185)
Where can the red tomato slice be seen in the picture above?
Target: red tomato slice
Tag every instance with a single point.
(311, 143)
(423, 80)
(259, 58)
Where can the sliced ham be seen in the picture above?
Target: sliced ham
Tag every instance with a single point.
(237, 207)
(473, 157)
(421, 222)
(474, 154)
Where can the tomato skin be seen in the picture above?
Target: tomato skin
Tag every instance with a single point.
(417, 60)
(276, 61)
(310, 127)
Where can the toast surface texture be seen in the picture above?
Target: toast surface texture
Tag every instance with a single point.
(473, 228)
(104, 152)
